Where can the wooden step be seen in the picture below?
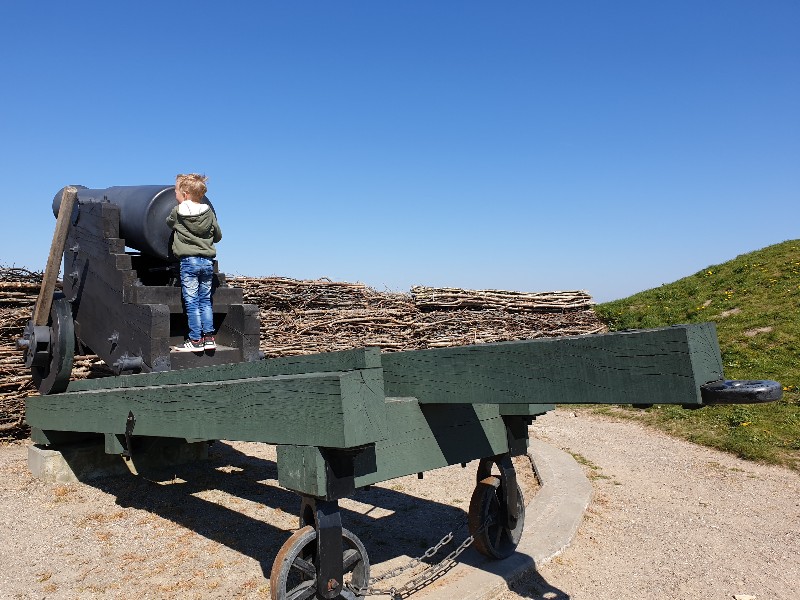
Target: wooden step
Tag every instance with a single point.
(223, 297)
(187, 360)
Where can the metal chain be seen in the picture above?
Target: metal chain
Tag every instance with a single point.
(426, 575)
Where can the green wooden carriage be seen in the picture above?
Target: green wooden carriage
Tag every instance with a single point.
(346, 420)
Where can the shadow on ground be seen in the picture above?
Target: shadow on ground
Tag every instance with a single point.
(534, 587)
(409, 525)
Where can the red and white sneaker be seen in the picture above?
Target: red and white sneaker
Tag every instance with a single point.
(209, 343)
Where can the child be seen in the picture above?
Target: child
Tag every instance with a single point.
(196, 232)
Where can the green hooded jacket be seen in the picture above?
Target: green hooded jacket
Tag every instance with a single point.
(196, 230)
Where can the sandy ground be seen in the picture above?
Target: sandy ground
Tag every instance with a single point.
(670, 519)
(208, 531)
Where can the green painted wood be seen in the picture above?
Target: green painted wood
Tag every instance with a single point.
(346, 360)
(420, 438)
(338, 409)
(704, 353)
(62, 438)
(660, 366)
(526, 410)
(302, 470)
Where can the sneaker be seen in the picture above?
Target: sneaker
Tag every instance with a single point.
(209, 343)
(190, 346)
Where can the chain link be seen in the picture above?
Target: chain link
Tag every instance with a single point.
(426, 576)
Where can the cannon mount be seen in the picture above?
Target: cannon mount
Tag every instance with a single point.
(119, 302)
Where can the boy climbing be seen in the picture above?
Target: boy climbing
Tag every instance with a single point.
(196, 232)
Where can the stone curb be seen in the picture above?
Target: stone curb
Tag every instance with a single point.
(552, 518)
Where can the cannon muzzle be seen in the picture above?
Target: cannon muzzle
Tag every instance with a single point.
(143, 214)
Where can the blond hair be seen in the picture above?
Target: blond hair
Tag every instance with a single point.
(193, 184)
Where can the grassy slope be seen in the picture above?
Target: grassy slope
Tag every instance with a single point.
(755, 301)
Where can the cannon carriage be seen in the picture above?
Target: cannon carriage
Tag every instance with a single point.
(121, 296)
(346, 420)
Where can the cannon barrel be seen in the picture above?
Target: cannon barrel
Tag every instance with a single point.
(143, 214)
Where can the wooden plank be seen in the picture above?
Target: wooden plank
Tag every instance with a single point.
(223, 355)
(241, 327)
(41, 312)
(345, 360)
(222, 299)
(62, 438)
(337, 410)
(112, 329)
(660, 366)
(419, 438)
(525, 410)
(98, 219)
(98, 225)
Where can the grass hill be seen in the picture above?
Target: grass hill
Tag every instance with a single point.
(755, 301)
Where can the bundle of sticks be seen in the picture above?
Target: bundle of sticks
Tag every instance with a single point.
(18, 290)
(430, 298)
(305, 316)
(308, 316)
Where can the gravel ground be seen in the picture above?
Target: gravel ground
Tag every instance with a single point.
(208, 531)
(670, 519)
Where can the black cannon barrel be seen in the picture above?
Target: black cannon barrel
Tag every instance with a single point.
(143, 213)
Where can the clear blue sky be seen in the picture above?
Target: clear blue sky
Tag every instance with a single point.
(607, 146)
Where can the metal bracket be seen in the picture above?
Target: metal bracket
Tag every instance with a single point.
(324, 515)
(35, 343)
(125, 363)
(130, 423)
(340, 469)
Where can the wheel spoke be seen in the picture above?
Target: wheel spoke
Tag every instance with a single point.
(497, 537)
(350, 559)
(305, 567)
(305, 590)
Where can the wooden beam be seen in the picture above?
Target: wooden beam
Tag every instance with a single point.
(337, 410)
(659, 366)
(525, 410)
(420, 438)
(345, 360)
(42, 310)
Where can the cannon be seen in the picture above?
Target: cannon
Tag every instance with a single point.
(341, 421)
(121, 297)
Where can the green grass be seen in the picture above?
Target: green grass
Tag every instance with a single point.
(755, 301)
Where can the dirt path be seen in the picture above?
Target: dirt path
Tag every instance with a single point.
(670, 520)
(210, 531)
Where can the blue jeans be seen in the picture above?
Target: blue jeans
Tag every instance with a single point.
(196, 275)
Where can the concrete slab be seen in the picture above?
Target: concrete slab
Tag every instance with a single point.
(552, 518)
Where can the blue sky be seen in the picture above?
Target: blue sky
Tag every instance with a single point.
(598, 145)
